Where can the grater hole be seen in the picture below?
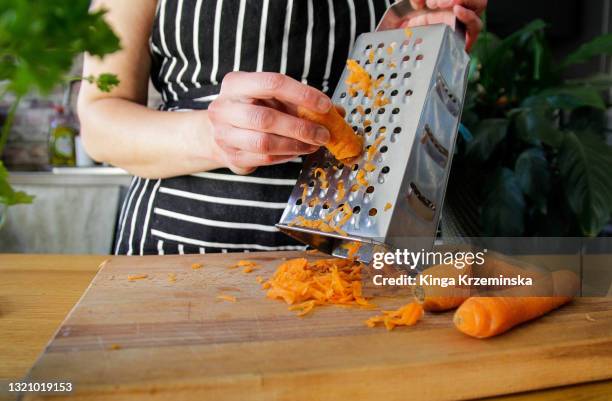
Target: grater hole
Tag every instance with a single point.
(311, 184)
(356, 210)
(384, 149)
(342, 95)
(407, 75)
(298, 202)
(395, 110)
(419, 57)
(380, 77)
(368, 47)
(405, 44)
(381, 110)
(418, 41)
(394, 92)
(355, 167)
(382, 130)
(368, 129)
(397, 130)
(405, 59)
(315, 164)
(385, 170)
(370, 189)
(325, 206)
(409, 92)
(326, 165)
(373, 212)
(380, 45)
(380, 61)
(340, 166)
(393, 76)
(368, 110)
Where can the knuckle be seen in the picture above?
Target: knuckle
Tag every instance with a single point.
(260, 118)
(308, 95)
(267, 159)
(262, 144)
(228, 79)
(302, 129)
(271, 81)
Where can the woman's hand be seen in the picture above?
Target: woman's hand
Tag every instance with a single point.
(443, 11)
(254, 122)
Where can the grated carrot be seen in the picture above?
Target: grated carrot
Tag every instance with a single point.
(340, 192)
(259, 279)
(367, 123)
(388, 206)
(304, 192)
(360, 109)
(374, 147)
(369, 167)
(408, 32)
(305, 285)
(390, 49)
(407, 315)
(380, 100)
(115, 347)
(229, 298)
(172, 277)
(134, 277)
(359, 79)
(360, 177)
(353, 248)
(371, 56)
(196, 266)
(249, 269)
(322, 176)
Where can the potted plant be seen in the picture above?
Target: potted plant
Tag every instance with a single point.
(533, 151)
(38, 43)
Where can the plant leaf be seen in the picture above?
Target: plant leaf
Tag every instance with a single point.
(585, 164)
(599, 45)
(487, 135)
(573, 97)
(533, 175)
(503, 210)
(8, 196)
(535, 124)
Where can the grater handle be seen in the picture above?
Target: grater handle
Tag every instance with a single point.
(402, 8)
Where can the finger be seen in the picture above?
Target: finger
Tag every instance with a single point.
(245, 160)
(265, 119)
(432, 17)
(417, 4)
(473, 24)
(270, 85)
(261, 142)
(478, 6)
(438, 4)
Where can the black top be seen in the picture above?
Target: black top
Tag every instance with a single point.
(194, 43)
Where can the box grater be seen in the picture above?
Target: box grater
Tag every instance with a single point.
(424, 77)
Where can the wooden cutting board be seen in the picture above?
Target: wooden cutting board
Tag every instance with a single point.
(157, 339)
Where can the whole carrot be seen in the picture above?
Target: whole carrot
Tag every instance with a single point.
(484, 317)
(439, 299)
(343, 142)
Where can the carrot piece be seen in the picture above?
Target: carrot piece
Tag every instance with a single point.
(371, 56)
(408, 32)
(259, 279)
(388, 206)
(304, 192)
(172, 277)
(340, 191)
(229, 298)
(344, 143)
(134, 277)
(360, 177)
(249, 269)
(353, 248)
(390, 49)
(367, 123)
(359, 79)
(374, 147)
(115, 347)
(196, 266)
(360, 109)
(380, 100)
(348, 213)
(407, 315)
(369, 167)
(322, 176)
(484, 317)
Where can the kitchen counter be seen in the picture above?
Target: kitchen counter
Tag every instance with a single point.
(37, 291)
(72, 176)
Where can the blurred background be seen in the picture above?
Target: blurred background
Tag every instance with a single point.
(533, 157)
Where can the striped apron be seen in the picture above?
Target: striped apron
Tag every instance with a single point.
(193, 44)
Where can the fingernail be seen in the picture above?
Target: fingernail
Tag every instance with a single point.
(324, 104)
(321, 135)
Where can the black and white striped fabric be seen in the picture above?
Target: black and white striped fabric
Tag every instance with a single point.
(194, 43)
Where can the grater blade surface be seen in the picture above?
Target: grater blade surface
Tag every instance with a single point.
(424, 78)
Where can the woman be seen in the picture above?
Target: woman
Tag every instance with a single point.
(215, 177)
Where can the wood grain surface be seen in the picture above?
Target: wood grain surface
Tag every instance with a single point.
(158, 339)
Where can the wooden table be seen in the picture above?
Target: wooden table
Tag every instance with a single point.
(37, 291)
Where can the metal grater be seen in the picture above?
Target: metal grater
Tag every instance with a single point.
(425, 78)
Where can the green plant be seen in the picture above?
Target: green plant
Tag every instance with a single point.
(537, 138)
(38, 43)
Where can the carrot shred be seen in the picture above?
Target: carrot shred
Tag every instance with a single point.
(369, 167)
(244, 263)
(305, 285)
(371, 56)
(390, 49)
(172, 277)
(229, 298)
(322, 176)
(340, 191)
(374, 147)
(360, 109)
(115, 347)
(367, 123)
(353, 248)
(196, 266)
(380, 100)
(388, 206)
(359, 79)
(360, 177)
(134, 277)
(249, 269)
(407, 315)
(304, 192)
(259, 279)
(408, 32)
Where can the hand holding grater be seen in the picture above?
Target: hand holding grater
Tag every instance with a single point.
(409, 134)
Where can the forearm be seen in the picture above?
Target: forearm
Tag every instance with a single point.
(146, 142)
